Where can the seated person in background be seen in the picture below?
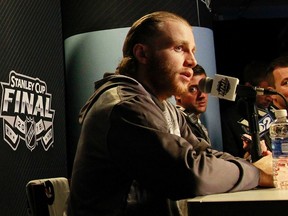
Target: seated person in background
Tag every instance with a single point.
(194, 102)
(234, 119)
(255, 75)
(277, 76)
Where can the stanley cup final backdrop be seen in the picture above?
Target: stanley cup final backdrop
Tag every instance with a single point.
(32, 115)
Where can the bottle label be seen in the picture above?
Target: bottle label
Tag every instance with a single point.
(284, 148)
(280, 147)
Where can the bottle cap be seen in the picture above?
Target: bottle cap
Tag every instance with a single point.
(280, 113)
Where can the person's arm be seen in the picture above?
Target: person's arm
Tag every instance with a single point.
(176, 166)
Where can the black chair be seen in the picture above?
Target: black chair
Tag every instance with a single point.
(47, 197)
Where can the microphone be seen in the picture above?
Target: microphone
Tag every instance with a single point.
(226, 87)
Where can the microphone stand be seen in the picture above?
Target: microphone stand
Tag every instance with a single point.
(249, 94)
(253, 128)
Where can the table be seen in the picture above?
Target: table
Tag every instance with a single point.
(269, 201)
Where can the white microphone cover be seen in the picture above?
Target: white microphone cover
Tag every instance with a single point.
(224, 87)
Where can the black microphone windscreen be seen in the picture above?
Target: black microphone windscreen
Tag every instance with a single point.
(205, 84)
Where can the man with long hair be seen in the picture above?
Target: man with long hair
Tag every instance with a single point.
(131, 135)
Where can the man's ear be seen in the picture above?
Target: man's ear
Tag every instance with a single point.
(140, 53)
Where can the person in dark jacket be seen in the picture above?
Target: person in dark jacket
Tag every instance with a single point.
(234, 119)
(194, 102)
(132, 135)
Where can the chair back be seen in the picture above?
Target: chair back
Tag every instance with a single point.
(47, 197)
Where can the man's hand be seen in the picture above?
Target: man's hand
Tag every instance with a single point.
(266, 172)
(247, 146)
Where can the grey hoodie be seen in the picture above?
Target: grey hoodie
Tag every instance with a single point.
(128, 136)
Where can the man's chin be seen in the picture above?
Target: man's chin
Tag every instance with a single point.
(201, 110)
(179, 90)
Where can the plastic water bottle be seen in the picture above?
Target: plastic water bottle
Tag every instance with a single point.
(279, 137)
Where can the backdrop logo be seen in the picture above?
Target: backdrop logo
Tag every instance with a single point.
(26, 112)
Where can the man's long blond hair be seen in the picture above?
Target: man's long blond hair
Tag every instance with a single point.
(142, 31)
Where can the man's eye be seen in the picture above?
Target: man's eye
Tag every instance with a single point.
(285, 83)
(193, 89)
(179, 48)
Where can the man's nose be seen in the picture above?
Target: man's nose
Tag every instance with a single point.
(191, 60)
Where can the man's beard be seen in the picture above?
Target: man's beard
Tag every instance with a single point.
(164, 78)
